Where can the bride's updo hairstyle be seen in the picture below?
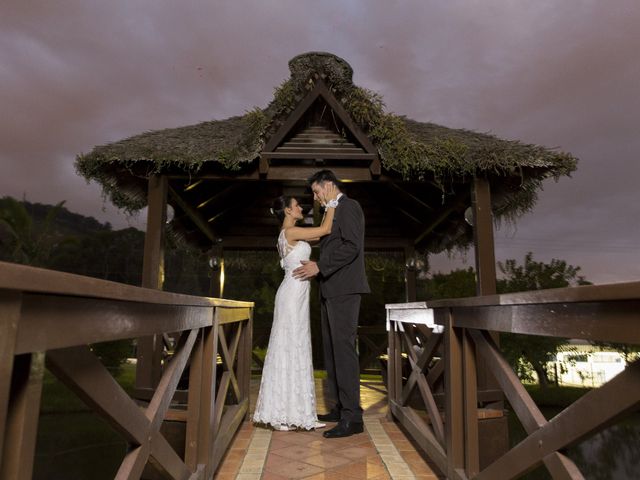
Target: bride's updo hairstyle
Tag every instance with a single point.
(278, 206)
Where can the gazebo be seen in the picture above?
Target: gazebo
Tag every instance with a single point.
(423, 187)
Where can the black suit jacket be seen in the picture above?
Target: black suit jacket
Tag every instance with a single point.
(341, 261)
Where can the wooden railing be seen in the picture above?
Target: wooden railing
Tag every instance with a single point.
(48, 320)
(608, 313)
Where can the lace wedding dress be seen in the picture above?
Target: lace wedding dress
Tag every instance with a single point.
(287, 395)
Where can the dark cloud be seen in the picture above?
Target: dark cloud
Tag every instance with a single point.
(74, 74)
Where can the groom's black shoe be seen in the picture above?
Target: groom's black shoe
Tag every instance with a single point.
(345, 428)
(332, 416)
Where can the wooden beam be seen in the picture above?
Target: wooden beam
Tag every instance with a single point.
(324, 154)
(402, 192)
(221, 195)
(304, 172)
(457, 203)
(193, 215)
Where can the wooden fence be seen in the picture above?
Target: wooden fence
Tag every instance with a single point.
(48, 320)
(443, 369)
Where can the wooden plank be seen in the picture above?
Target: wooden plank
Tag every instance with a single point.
(164, 393)
(421, 433)
(22, 417)
(10, 306)
(300, 172)
(584, 294)
(232, 315)
(607, 321)
(325, 155)
(51, 322)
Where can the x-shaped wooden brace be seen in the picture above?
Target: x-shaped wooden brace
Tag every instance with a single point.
(228, 376)
(584, 417)
(417, 376)
(82, 372)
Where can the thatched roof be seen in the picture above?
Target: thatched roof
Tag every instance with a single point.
(409, 150)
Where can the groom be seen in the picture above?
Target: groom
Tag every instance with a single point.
(340, 272)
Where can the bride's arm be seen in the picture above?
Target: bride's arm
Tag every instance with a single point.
(314, 233)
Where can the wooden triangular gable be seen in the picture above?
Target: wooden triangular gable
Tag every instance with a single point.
(317, 143)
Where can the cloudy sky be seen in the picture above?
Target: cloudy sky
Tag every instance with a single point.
(563, 73)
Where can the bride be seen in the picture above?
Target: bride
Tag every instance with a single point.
(287, 397)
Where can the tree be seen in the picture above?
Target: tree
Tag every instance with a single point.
(27, 242)
(458, 283)
(524, 350)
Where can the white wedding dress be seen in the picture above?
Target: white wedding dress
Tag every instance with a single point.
(287, 398)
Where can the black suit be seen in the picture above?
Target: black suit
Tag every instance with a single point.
(342, 280)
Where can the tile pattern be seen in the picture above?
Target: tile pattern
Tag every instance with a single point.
(381, 452)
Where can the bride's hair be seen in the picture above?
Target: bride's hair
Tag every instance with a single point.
(278, 206)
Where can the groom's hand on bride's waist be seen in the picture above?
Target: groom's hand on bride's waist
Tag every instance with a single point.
(309, 269)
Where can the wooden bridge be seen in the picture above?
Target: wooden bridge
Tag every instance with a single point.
(48, 320)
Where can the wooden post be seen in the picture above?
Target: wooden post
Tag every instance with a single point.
(454, 407)
(471, 439)
(244, 361)
(149, 352)
(22, 417)
(485, 266)
(483, 238)
(10, 307)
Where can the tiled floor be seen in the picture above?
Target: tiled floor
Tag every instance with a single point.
(381, 452)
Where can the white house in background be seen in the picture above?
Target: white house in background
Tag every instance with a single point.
(586, 366)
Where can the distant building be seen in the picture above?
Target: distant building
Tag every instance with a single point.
(587, 365)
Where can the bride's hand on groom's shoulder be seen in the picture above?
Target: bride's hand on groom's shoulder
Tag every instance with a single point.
(307, 270)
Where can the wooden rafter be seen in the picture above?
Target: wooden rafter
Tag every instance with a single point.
(459, 202)
(194, 215)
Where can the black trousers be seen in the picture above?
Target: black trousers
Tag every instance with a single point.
(339, 317)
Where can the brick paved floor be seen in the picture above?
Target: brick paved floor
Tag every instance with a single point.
(381, 452)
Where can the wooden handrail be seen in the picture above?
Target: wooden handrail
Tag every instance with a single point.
(49, 316)
(39, 280)
(584, 293)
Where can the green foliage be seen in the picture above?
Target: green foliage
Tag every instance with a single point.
(456, 284)
(528, 352)
(113, 354)
(532, 275)
(26, 241)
